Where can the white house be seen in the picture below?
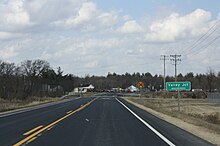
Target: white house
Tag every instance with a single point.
(83, 89)
(132, 88)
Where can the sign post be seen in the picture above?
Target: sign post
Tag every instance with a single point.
(140, 85)
(178, 96)
(178, 86)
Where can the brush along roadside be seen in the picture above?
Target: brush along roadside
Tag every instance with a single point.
(7, 105)
(13, 104)
(197, 116)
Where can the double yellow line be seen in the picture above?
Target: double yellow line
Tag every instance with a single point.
(35, 134)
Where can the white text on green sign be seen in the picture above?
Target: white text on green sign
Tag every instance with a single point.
(172, 86)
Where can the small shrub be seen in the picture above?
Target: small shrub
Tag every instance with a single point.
(213, 118)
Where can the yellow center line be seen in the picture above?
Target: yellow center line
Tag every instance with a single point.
(48, 126)
(68, 112)
(32, 139)
(31, 131)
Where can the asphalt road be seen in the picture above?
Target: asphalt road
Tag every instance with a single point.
(97, 121)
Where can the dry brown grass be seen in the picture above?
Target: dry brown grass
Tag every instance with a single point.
(6, 105)
(195, 111)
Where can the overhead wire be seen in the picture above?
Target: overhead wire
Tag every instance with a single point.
(203, 47)
(203, 38)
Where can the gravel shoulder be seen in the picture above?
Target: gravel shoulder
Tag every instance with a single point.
(200, 131)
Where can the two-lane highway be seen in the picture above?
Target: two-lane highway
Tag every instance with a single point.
(97, 121)
(14, 126)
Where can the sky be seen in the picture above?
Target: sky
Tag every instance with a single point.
(94, 37)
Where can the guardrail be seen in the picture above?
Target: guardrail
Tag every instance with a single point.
(214, 97)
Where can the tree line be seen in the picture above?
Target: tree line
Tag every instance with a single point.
(37, 78)
(33, 78)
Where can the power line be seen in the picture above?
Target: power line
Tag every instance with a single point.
(204, 37)
(203, 47)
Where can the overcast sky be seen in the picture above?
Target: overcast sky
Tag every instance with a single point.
(101, 36)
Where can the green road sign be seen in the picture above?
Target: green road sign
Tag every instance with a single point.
(173, 86)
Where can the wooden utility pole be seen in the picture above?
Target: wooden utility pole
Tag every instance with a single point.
(164, 58)
(176, 61)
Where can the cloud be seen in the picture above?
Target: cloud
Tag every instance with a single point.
(47, 11)
(34, 16)
(13, 13)
(127, 18)
(88, 18)
(9, 52)
(86, 12)
(176, 26)
(91, 64)
(80, 35)
(131, 26)
(13, 19)
(80, 47)
(7, 35)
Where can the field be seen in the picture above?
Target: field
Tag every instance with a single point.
(198, 116)
(195, 111)
(6, 105)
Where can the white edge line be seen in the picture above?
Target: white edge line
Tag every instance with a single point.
(33, 108)
(148, 125)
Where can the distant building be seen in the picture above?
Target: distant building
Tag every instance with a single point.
(117, 89)
(132, 88)
(196, 90)
(83, 89)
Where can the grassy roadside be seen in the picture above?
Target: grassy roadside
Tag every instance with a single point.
(7, 105)
(197, 116)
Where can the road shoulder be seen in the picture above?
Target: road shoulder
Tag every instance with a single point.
(199, 131)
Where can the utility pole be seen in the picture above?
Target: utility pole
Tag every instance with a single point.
(176, 61)
(164, 58)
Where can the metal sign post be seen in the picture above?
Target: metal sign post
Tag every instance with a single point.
(178, 100)
(140, 85)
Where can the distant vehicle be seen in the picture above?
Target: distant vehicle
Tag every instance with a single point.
(196, 90)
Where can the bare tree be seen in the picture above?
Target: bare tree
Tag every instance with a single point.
(32, 70)
(9, 69)
(210, 78)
